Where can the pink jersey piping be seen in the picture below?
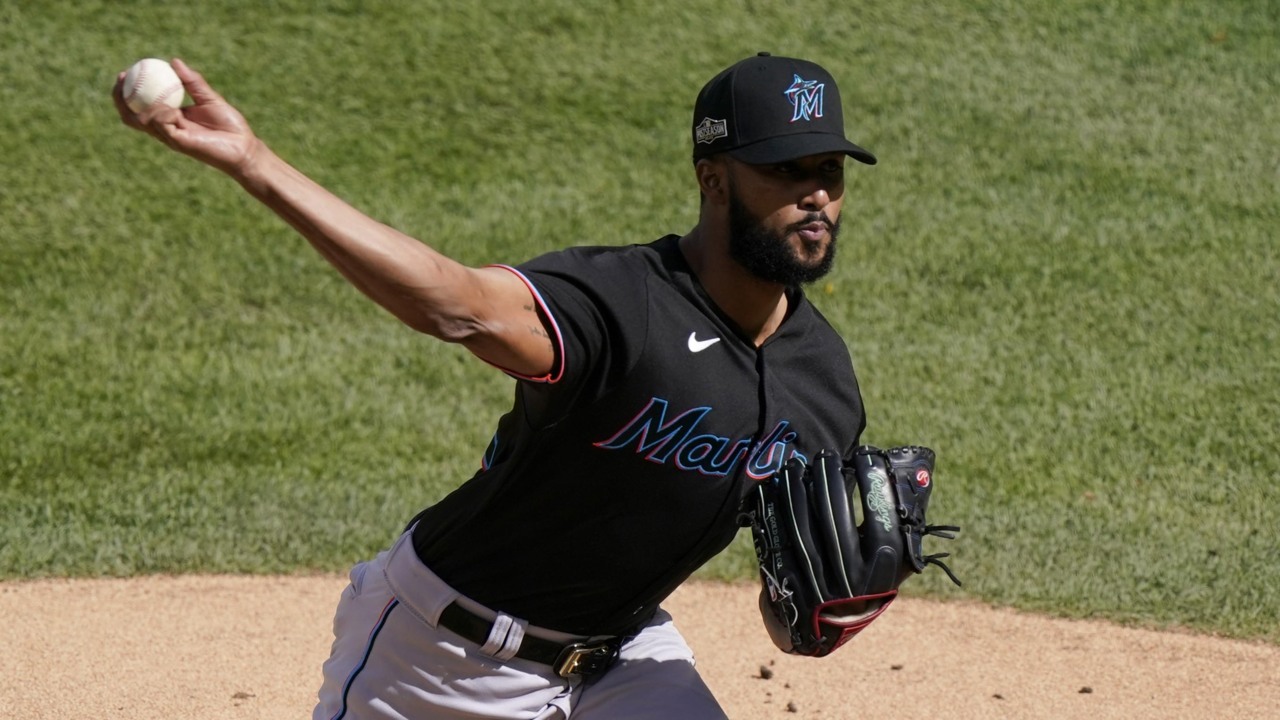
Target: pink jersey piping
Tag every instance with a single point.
(557, 372)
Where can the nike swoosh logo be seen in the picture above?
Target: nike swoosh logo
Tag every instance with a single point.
(696, 345)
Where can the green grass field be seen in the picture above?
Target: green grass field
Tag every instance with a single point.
(1063, 274)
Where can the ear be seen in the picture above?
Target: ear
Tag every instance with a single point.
(713, 181)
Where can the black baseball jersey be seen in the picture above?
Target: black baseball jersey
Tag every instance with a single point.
(616, 476)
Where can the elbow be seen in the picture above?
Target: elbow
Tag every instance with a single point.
(442, 320)
(447, 328)
(453, 312)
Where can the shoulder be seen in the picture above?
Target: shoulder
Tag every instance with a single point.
(599, 275)
(627, 259)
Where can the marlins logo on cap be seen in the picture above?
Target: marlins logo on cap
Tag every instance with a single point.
(806, 98)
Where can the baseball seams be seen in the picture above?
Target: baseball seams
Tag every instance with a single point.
(137, 84)
(136, 96)
(164, 94)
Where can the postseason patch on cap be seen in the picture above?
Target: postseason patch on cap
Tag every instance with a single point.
(708, 131)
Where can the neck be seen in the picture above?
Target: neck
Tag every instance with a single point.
(757, 307)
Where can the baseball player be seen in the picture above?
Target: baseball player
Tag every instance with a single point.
(655, 384)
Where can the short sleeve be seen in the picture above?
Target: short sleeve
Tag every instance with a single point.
(595, 303)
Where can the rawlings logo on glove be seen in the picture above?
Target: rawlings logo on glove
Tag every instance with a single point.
(825, 578)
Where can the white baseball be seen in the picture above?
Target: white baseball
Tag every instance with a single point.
(152, 81)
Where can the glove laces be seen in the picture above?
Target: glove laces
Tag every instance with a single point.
(942, 531)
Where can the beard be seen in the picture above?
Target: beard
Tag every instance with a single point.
(767, 255)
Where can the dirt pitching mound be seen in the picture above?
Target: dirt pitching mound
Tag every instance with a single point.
(251, 647)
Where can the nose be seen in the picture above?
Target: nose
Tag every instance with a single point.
(817, 199)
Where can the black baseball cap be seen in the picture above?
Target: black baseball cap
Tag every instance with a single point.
(768, 109)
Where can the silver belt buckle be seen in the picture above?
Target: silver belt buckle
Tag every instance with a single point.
(583, 660)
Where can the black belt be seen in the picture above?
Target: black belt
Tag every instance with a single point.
(579, 659)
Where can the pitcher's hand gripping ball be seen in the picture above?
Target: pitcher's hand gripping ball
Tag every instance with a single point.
(152, 81)
(824, 577)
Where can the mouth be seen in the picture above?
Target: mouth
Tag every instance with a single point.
(813, 231)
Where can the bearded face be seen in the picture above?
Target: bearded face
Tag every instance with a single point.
(770, 255)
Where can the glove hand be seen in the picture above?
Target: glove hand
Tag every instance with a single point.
(824, 577)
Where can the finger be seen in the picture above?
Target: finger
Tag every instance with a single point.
(195, 84)
(159, 114)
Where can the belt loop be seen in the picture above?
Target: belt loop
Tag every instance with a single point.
(515, 636)
(498, 636)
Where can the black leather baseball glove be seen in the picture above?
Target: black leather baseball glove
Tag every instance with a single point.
(825, 575)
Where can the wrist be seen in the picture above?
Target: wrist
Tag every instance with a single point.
(253, 172)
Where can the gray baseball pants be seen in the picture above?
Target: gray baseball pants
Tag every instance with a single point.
(390, 660)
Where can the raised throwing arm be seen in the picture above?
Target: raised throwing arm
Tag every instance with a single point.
(488, 310)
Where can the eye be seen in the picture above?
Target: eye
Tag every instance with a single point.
(787, 168)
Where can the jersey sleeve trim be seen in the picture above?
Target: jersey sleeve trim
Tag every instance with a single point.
(557, 371)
